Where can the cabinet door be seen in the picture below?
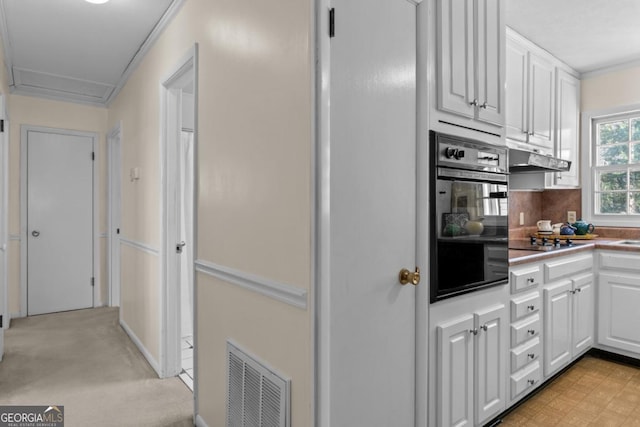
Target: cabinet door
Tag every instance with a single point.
(557, 326)
(619, 316)
(490, 67)
(583, 313)
(456, 89)
(516, 91)
(455, 372)
(490, 363)
(541, 101)
(567, 132)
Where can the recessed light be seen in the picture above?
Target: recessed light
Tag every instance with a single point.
(97, 1)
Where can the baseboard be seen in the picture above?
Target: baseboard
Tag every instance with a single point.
(614, 357)
(200, 422)
(154, 364)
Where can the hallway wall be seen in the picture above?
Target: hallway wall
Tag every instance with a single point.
(25, 110)
(255, 190)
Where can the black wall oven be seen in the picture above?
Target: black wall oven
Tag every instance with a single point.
(468, 215)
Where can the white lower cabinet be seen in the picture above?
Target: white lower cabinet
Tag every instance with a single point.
(568, 311)
(619, 302)
(526, 330)
(470, 371)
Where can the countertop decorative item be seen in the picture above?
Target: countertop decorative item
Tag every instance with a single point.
(567, 230)
(583, 227)
(453, 223)
(544, 226)
(474, 227)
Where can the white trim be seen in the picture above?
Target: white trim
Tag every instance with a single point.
(114, 150)
(24, 130)
(170, 98)
(587, 171)
(140, 246)
(155, 34)
(289, 294)
(322, 223)
(153, 362)
(424, 45)
(200, 421)
(4, 222)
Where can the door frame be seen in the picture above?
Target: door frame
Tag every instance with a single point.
(114, 149)
(24, 131)
(170, 349)
(4, 223)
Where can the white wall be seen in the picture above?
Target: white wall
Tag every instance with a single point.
(613, 89)
(255, 194)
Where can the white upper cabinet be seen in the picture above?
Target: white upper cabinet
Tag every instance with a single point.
(567, 132)
(530, 96)
(490, 69)
(470, 61)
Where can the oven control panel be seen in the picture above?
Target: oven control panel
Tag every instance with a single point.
(472, 155)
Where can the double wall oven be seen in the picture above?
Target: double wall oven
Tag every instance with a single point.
(468, 215)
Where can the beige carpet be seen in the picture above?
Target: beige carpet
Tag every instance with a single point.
(86, 362)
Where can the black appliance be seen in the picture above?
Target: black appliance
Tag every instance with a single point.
(542, 244)
(468, 215)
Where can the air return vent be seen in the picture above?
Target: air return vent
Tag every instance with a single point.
(256, 395)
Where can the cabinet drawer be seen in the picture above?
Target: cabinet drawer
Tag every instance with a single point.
(525, 354)
(554, 270)
(525, 329)
(619, 261)
(525, 380)
(525, 278)
(525, 305)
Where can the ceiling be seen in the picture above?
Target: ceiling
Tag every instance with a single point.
(78, 51)
(588, 35)
(81, 52)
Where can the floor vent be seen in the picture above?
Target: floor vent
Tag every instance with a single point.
(256, 395)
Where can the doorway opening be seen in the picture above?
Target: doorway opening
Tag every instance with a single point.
(179, 152)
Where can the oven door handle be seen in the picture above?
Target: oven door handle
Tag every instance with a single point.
(498, 195)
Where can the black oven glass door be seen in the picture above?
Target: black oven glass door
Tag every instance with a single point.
(471, 237)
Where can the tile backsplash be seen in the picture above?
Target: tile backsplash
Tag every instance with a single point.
(553, 205)
(549, 204)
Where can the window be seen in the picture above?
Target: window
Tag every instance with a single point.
(616, 171)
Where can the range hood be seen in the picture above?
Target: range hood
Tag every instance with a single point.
(522, 161)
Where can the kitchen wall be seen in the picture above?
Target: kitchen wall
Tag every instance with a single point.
(609, 90)
(549, 204)
(255, 199)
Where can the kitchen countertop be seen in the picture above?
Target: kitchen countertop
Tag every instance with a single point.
(518, 257)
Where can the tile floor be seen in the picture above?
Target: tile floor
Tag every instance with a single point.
(187, 361)
(593, 392)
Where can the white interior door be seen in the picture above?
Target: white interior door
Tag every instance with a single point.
(372, 120)
(59, 222)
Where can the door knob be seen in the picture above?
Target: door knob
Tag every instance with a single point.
(179, 247)
(35, 233)
(407, 276)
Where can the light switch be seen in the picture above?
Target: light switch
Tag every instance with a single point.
(134, 174)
